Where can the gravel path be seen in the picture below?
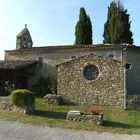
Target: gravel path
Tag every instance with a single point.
(10, 130)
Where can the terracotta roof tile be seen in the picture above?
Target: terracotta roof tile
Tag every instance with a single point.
(71, 47)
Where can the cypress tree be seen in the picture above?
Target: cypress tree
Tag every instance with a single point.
(117, 26)
(83, 29)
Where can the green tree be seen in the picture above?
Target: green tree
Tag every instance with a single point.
(117, 27)
(83, 29)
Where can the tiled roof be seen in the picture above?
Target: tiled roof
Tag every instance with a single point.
(17, 64)
(73, 47)
(82, 46)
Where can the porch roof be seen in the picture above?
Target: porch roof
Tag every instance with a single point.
(16, 64)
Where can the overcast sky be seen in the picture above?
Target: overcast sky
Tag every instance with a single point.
(52, 22)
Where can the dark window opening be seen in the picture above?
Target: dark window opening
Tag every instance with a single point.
(73, 57)
(1, 81)
(110, 55)
(40, 62)
(91, 72)
(128, 66)
(24, 39)
(21, 82)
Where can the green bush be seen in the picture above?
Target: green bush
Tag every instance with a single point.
(53, 85)
(22, 97)
(44, 85)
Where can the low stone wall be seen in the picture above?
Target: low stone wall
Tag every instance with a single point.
(53, 99)
(91, 118)
(6, 105)
(133, 102)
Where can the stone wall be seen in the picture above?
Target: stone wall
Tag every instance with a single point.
(54, 55)
(5, 103)
(106, 89)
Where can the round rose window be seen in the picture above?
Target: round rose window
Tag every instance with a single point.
(91, 72)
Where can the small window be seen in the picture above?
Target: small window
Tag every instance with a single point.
(128, 66)
(73, 57)
(24, 39)
(91, 72)
(40, 62)
(110, 55)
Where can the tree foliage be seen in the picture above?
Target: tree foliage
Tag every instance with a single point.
(117, 27)
(83, 29)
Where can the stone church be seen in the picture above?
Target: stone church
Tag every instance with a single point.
(101, 74)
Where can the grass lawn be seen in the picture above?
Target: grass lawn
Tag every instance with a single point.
(115, 120)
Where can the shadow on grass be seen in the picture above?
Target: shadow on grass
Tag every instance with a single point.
(118, 125)
(50, 114)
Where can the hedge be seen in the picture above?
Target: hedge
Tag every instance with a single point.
(22, 98)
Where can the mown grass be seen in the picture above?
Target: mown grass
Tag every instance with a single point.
(115, 120)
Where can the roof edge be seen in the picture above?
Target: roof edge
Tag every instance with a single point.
(92, 54)
(95, 46)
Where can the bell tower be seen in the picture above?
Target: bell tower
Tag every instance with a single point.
(24, 40)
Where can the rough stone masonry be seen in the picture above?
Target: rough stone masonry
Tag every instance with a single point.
(106, 89)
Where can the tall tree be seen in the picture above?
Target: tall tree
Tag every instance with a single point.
(83, 29)
(117, 27)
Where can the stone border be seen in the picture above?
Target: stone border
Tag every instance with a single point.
(6, 105)
(90, 118)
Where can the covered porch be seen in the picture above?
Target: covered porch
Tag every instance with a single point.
(16, 73)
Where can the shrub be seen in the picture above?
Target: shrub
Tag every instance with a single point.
(53, 85)
(44, 85)
(22, 98)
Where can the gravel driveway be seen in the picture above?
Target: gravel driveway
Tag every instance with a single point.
(10, 130)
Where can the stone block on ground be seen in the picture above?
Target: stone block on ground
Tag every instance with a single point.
(53, 99)
(79, 116)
